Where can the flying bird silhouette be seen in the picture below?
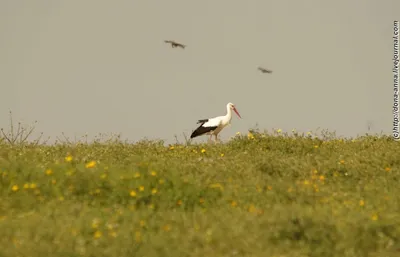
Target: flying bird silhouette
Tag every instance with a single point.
(264, 70)
(175, 44)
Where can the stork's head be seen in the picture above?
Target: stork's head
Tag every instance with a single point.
(232, 107)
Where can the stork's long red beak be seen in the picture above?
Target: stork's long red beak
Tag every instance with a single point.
(237, 113)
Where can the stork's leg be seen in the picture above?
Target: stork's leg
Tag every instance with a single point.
(210, 139)
(216, 138)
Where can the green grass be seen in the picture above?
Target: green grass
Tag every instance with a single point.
(263, 195)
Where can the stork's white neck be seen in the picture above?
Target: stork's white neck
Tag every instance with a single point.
(228, 115)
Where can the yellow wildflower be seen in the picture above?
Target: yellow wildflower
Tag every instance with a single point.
(171, 148)
(388, 169)
(233, 204)
(15, 188)
(138, 236)
(374, 217)
(217, 185)
(32, 186)
(167, 228)
(203, 150)
(279, 130)
(316, 146)
(153, 173)
(362, 203)
(137, 175)
(98, 234)
(95, 223)
(161, 181)
(321, 178)
(26, 185)
(154, 191)
(141, 188)
(341, 162)
(222, 155)
(91, 164)
(112, 233)
(250, 135)
(201, 200)
(132, 193)
(251, 208)
(68, 158)
(110, 226)
(49, 172)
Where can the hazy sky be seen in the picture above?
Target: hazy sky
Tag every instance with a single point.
(102, 67)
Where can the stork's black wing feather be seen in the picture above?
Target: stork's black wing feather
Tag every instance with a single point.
(202, 121)
(202, 130)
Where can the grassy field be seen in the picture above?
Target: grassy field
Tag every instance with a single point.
(259, 194)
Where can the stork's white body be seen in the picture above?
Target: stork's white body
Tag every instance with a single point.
(220, 122)
(214, 126)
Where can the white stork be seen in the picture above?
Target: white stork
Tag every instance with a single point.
(215, 125)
